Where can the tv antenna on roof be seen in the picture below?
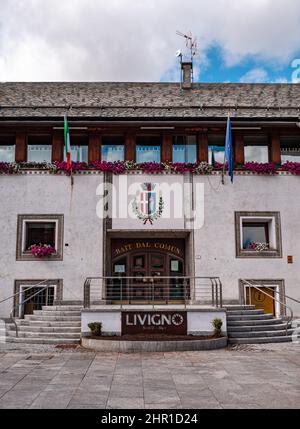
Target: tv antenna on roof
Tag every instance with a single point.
(190, 43)
(187, 75)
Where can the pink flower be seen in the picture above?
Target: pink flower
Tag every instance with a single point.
(256, 167)
(292, 167)
(41, 250)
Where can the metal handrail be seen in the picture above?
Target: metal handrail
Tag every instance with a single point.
(19, 292)
(215, 287)
(286, 296)
(258, 287)
(12, 318)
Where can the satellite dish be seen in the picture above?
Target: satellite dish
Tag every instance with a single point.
(179, 53)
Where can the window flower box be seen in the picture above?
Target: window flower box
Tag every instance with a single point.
(42, 250)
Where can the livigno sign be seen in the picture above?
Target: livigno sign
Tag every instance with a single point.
(164, 322)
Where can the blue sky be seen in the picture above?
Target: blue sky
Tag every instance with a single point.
(251, 69)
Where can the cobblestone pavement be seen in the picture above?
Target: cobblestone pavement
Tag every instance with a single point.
(264, 376)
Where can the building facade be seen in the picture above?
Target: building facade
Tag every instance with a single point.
(144, 212)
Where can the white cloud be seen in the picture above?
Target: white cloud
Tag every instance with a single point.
(257, 75)
(135, 39)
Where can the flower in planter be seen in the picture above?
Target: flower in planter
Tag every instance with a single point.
(261, 168)
(292, 167)
(203, 168)
(258, 247)
(151, 167)
(42, 250)
(8, 168)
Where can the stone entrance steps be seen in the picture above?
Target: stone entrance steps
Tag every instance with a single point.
(248, 325)
(51, 325)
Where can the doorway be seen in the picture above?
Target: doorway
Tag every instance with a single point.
(261, 300)
(37, 297)
(151, 271)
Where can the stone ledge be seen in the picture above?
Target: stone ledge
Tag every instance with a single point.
(153, 346)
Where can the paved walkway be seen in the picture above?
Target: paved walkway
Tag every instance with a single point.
(245, 377)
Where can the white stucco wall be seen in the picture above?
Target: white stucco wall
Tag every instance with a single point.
(111, 321)
(83, 231)
(214, 242)
(215, 252)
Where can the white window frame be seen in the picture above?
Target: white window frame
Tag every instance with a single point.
(25, 221)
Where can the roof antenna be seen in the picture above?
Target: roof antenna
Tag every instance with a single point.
(187, 76)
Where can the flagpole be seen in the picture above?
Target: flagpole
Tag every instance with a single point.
(224, 169)
(72, 178)
(224, 164)
(68, 148)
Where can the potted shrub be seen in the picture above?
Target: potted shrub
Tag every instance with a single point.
(217, 324)
(96, 328)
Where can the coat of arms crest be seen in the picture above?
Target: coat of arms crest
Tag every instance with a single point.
(148, 206)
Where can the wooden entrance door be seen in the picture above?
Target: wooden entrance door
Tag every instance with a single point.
(147, 276)
(262, 301)
(148, 270)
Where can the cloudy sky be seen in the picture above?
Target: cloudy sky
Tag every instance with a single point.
(135, 40)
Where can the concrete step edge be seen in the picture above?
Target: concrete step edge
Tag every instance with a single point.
(43, 341)
(259, 334)
(274, 327)
(263, 340)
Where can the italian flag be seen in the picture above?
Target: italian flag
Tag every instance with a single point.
(67, 142)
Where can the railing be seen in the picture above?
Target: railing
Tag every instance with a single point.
(12, 317)
(20, 291)
(20, 305)
(156, 290)
(249, 285)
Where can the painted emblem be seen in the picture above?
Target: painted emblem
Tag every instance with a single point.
(148, 206)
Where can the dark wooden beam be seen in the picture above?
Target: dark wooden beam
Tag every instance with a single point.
(275, 152)
(94, 147)
(57, 146)
(239, 155)
(21, 147)
(203, 148)
(130, 147)
(166, 149)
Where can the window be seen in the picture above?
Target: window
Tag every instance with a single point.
(184, 149)
(79, 149)
(25, 289)
(39, 229)
(216, 149)
(112, 149)
(39, 149)
(39, 232)
(255, 232)
(7, 149)
(258, 234)
(148, 149)
(256, 149)
(290, 149)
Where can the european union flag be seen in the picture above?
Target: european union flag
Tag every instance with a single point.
(229, 149)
